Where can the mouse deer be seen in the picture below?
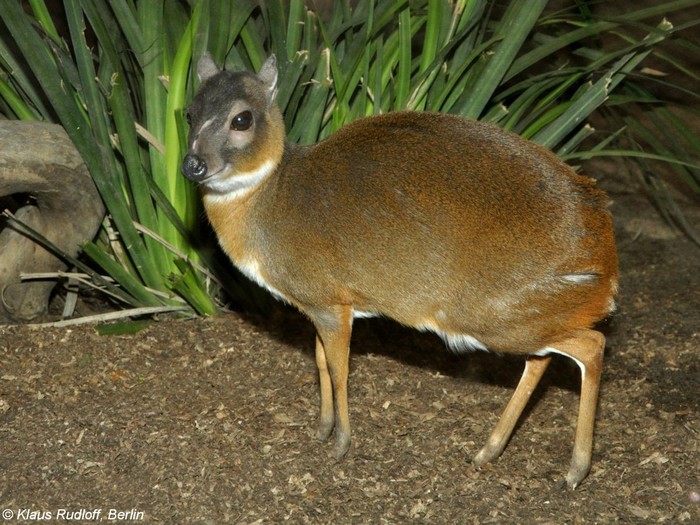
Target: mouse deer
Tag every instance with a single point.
(439, 222)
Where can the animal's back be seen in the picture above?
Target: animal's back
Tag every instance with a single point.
(442, 223)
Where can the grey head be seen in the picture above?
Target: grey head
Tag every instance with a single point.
(234, 124)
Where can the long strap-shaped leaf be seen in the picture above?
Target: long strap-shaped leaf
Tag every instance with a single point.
(596, 95)
(180, 192)
(516, 24)
(89, 136)
(135, 184)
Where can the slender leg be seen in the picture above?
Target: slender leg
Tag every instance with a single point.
(586, 348)
(327, 416)
(534, 368)
(334, 335)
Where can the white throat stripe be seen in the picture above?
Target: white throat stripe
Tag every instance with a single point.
(232, 186)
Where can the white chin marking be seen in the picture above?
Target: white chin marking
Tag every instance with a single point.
(226, 185)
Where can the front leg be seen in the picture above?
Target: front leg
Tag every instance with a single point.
(334, 328)
(327, 423)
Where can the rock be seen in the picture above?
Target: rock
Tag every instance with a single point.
(46, 185)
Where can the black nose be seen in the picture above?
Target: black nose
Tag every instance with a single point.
(193, 167)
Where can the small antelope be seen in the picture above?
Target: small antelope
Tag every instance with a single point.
(439, 222)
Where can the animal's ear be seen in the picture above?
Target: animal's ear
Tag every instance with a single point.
(206, 67)
(268, 76)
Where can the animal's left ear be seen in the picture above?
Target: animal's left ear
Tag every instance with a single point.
(206, 67)
(268, 76)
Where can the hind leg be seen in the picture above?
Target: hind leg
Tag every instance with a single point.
(534, 368)
(586, 348)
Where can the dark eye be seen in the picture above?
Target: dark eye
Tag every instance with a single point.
(242, 121)
(188, 117)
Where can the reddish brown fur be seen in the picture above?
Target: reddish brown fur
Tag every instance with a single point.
(516, 224)
(439, 222)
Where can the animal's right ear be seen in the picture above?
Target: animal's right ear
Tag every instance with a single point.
(206, 67)
(268, 76)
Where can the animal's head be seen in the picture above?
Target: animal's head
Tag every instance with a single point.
(236, 134)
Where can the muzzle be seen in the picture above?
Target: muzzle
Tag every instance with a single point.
(193, 167)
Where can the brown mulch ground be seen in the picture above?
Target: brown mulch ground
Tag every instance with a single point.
(211, 421)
